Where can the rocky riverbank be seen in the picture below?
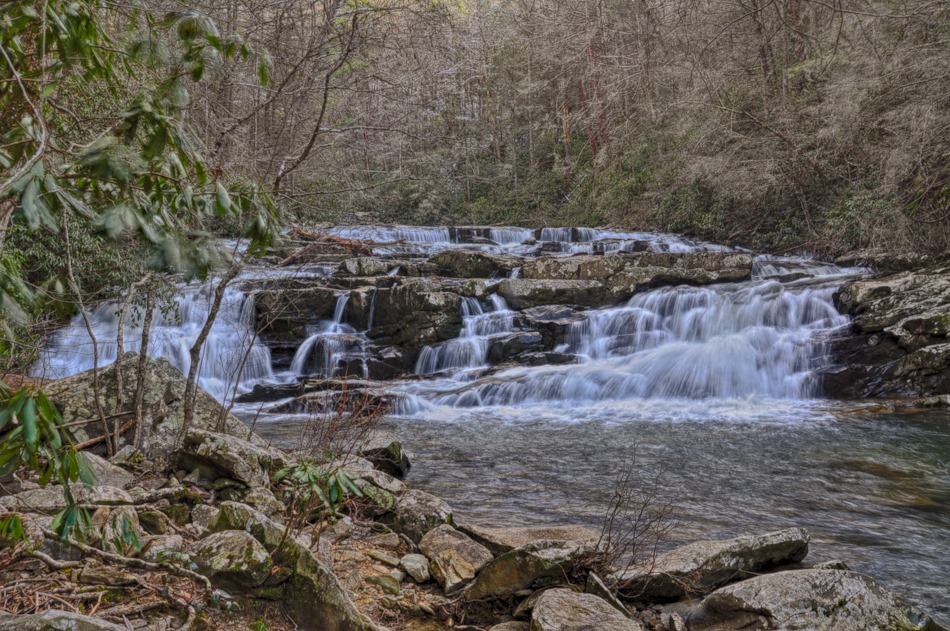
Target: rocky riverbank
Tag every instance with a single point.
(206, 535)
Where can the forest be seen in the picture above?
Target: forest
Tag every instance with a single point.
(482, 315)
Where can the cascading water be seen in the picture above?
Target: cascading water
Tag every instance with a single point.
(759, 338)
(230, 355)
(470, 349)
(331, 347)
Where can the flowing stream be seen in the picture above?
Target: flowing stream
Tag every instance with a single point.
(712, 386)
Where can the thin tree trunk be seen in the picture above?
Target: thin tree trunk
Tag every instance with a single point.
(143, 366)
(194, 353)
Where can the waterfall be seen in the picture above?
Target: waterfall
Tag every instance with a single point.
(174, 330)
(331, 347)
(728, 341)
(470, 349)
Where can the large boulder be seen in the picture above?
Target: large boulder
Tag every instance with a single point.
(527, 566)
(454, 558)
(163, 403)
(898, 342)
(54, 620)
(232, 559)
(523, 293)
(49, 500)
(812, 600)
(220, 455)
(506, 539)
(473, 264)
(415, 313)
(704, 565)
(566, 610)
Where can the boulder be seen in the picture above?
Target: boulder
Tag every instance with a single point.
(232, 559)
(898, 342)
(454, 558)
(122, 533)
(220, 455)
(566, 610)
(418, 512)
(523, 293)
(49, 500)
(812, 600)
(458, 263)
(259, 498)
(501, 540)
(237, 516)
(416, 566)
(365, 266)
(386, 453)
(163, 401)
(106, 473)
(415, 313)
(527, 566)
(53, 620)
(162, 548)
(702, 566)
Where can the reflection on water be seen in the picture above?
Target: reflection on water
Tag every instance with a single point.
(874, 490)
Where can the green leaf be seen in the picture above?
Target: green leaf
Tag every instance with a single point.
(27, 418)
(85, 471)
(222, 199)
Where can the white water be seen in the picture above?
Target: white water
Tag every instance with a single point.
(329, 346)
(470, 349)
(174, 330)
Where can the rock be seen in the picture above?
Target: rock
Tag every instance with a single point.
(223, 455)
(458, 263)
(154, 522)
(53, 620)
(830, 565)
(163, 401)
(417, 566)
(162, 548)
(705, 565)
(524, 567)
(259, 498)
(597, 587)
(382, 557)
(49, 500)
(284, 308)
(522, 293)
(106, 473)
(418, 512)
(885, 262)
(386, 453)
(122, 533)
(816, 600)
(386, 583)
(454, 558)
(237, 516)
(565, 610)
(232, 559)
(413, 314)
(512, 346)
(365, 266)
(898, 341)
(501, 540)
(511, 626)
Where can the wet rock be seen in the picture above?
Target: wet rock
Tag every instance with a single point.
(885, 262)
(232, 559)
(415, 313)
(221, 455)
(705, 565)
(512, 346)
(552, 321)
(526, 566)
(417, 566)
(813, 600)
(454, 558)
(418, 512)
(53, 620)
(565, 610)
(386, 452)
(163, 399)
(501, 540)
(898, 341)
